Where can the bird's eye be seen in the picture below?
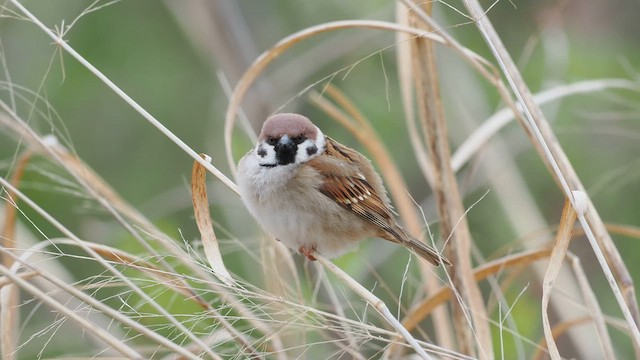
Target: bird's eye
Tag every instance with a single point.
(272, 140)
(298, 139)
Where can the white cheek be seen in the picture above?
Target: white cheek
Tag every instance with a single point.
(303, 155)
(269, 158)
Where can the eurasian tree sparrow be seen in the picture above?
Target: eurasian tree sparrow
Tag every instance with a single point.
(314, 194)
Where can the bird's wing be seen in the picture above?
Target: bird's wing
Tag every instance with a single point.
(347, 181)
(348, 178)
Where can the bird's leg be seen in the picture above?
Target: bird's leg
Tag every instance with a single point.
(308, 251)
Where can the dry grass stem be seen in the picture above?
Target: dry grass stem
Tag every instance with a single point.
(10, 294)
(212, 251)
(421, 310)
(376, 303)
(482, 66)
(478, 63)
(490, 127)
(9, 319)
(563, 171)
(351, 342)
(155, 123)
(101, 191)
(95, 185)
(441, 316)
(234, 294)
(152, 120)
(107, 266)
(7, 238)
(405, 77)
(623, 229)
(116, 255)
(557, 331)
(258, 66)
(466, 324)
(85, 324)
(27, 275)
(469, 326)
(593, 307)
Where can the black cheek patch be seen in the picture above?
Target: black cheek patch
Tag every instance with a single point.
(312, 150)
(262, 152)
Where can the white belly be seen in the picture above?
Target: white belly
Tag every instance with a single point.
(295, 212)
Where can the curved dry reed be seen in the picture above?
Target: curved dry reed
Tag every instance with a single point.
(258, 66)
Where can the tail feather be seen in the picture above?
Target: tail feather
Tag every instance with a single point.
(400, 236)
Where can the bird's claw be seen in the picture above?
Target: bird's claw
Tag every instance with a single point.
(307, 252)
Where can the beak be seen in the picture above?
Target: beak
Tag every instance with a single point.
(284, 142)
(286, 150)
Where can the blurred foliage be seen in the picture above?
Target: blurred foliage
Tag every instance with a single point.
(142, 48)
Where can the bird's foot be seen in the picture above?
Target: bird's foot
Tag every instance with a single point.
(308, 251)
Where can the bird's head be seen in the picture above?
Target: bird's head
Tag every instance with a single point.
(288, 139)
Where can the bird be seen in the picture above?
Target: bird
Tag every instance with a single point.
(316, 195)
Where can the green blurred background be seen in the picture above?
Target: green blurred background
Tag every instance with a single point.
(169, 55)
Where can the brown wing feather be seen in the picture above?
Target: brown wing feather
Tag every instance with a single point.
(357, 196)
(345, 183)
(350, 181)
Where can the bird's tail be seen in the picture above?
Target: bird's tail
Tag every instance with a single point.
(400, 236)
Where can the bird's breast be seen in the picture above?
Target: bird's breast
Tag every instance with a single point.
(289, 206)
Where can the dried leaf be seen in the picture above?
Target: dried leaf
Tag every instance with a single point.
(563, 237)
(205, 225)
